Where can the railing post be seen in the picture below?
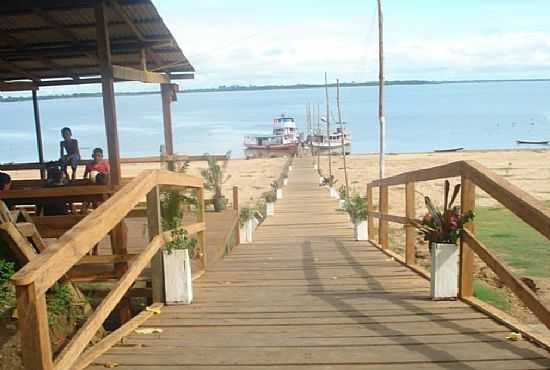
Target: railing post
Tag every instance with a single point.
(154, 227)
(467, 203)
(370, 220)
(202, 234)
(410, 230)
(383, 224)
(33, 326)
(236, 209)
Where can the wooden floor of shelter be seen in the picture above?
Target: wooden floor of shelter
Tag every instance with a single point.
(304, 295)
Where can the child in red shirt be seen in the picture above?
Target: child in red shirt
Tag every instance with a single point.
(99, 166)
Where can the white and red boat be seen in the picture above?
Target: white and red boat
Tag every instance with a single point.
(285, 136)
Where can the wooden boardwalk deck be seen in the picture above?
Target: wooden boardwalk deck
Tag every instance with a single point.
(304, 295)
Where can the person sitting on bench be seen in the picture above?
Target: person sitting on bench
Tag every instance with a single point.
(5, 181)
(98, 170)
(72, 157)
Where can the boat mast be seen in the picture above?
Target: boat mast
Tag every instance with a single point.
(381, 86)
(342, 135)
(328, 129)
(318, 135)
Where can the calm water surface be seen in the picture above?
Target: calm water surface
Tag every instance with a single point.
(419, 118)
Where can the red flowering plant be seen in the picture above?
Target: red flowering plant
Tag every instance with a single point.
(444, 226)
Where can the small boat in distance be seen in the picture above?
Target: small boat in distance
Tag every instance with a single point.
(448, 150)
(319, 141)
(285, 136)
(542, 142)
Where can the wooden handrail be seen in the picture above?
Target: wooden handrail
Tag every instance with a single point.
(473, 174)
(37, 276)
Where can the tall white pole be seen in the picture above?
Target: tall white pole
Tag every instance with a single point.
(328, 129)
(381, 87)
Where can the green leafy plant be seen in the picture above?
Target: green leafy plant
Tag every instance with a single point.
(245, 214)
(180, 241)
(7, 269)
(214, 176)
(61, 304)
(444, 226)
(270, 197)
(356, 208)
(329, 181)
(342, 191)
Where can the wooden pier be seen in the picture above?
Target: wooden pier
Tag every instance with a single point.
(304, 295)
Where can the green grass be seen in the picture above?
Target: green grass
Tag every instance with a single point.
(493, 296)
(520, 246)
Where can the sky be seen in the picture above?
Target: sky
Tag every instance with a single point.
(255, 42)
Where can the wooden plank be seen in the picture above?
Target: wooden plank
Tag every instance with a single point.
(531, 210)
(466, 267)
(370, 210)
(236, 207)
(33, 326)
(132, 74)
(70, 353)
(18, 86)
(171, 178)
(112, 339)
(202, 235)
(523, 292)
(154, 228)
(445, 171)
(19, 246)
(410, 230)
(106, 259)
(391, 218)
(166, 91)
(383, 224)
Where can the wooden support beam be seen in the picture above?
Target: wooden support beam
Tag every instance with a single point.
(132, 74)
(166, 91)
(466, 268)
(15, 68)
(154, 227)
(33, 326)
(410, 230)
(370, 209)
(18, 86)
(38, 130)
(382, 223)
(58, 67)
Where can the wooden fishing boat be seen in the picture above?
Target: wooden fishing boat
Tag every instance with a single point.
(448, 150)
(285, 136)
(530, 142)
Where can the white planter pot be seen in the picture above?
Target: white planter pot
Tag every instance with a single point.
(361, 230)
(444, 280)
(341, 203)
(270, 208)
(178, 287)
(315, 167)
(243, 234)
(285, 181)
(249, 229)
(255, 223)
(279, 194)
(333, 193)
(289, 168)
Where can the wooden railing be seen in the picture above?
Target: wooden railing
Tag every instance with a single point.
(35, 278)
(472, 175)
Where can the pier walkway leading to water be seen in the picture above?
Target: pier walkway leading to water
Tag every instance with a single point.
(304, 295)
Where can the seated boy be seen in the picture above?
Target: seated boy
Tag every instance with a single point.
(70, 146)
(5, 181)
(98, 170)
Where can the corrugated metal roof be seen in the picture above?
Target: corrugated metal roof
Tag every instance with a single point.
(38, 35)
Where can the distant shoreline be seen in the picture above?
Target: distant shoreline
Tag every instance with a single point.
(10, 99)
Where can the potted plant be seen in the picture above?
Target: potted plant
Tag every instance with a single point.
(442, 229)
(270, 199)
(247, 227)
(214, 178)
(176, 256)
(330, 181)
(342, 193)
(277, 190)
(357, 211)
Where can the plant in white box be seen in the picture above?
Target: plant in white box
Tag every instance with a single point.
(357, 211)
(247, 227)
(442, 229)
(176, 256)
(270, 198)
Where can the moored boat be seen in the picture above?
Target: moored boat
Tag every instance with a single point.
(285, 136)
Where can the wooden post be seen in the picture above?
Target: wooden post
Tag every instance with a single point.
(236, 209)
(167, 90)
(370, 209)
(118, 234)
(202, 234)
(342, 135)
(466, 274)
(33, 326)
(108, 90)
(410, 230)
(38, 129)
(154, 226)
(381, 118)
(383, 224)
(328, 129)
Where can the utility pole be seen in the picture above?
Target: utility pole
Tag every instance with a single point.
(328, 129)
(381, 86)
(342, 135)
(319, 143)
